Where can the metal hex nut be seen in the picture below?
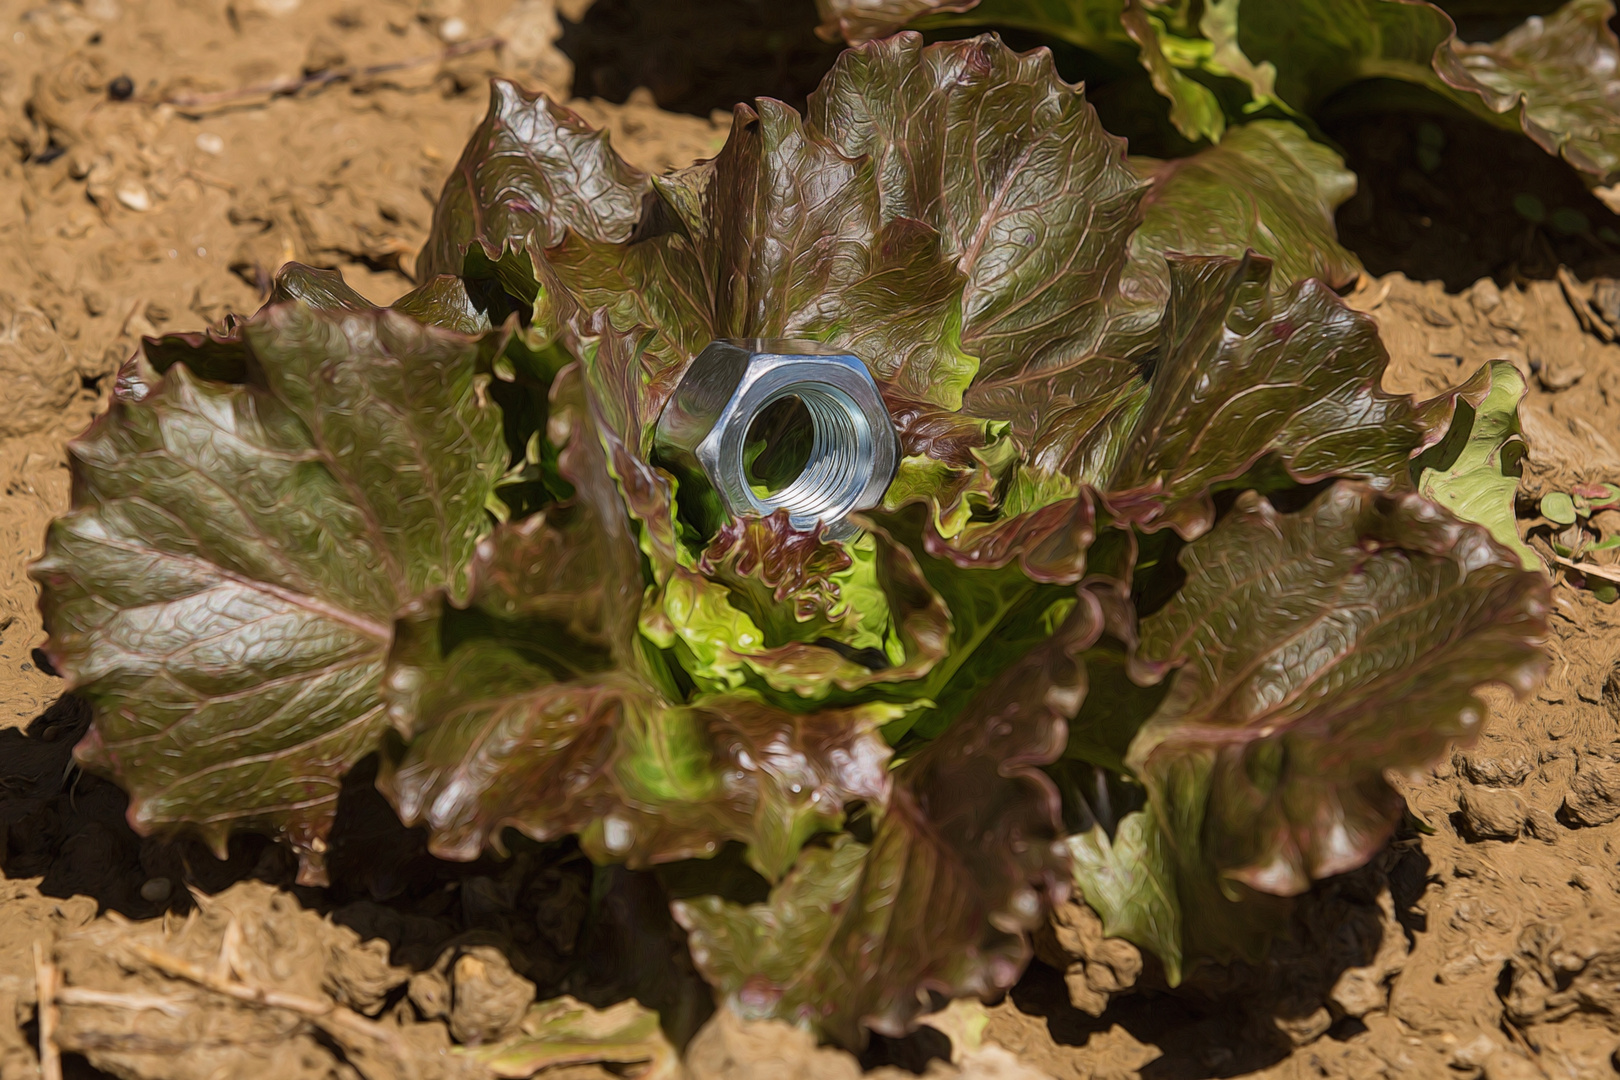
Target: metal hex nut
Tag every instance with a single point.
(703, 430)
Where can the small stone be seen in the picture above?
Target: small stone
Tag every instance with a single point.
(1606, 298)
(1484, 295)
(1358, 992)
(156, 890)
(134, 195)
(121, 89)
(1492, 813)
(1305, 1029)
(453, 29)
(209, 143)
(1475, 1052)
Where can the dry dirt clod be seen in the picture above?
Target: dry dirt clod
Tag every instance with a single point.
(1364, 989)
(1095, 967)
(358, 973)
(1541, 824)
(1606, 299)
(1556, 375)
(729, 1048)
(1594, 794)
(35, 368)
(1511, 1065)
(1591, 322)
(1305, 1029)
(1492, 813)
(249, 984)
(1489, 1056)
(487, 998)
(429, 991)
(1497, 765)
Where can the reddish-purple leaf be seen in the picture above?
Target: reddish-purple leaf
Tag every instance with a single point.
(1313, 651)
(965, 860)
(224, 589)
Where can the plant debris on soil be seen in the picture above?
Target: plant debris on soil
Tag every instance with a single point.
(161, 163)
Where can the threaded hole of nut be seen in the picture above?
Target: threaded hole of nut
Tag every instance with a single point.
(803, 454)
(778, 446)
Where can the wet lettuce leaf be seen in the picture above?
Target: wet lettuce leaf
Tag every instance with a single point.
(1552, 75)
(1241, 374)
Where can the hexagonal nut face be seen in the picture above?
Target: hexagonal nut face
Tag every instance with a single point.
(853, 451)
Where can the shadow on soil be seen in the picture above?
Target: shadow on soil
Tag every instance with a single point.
(696, 58)
(67, 828)
(1444, 195)
(1233, 1019)
(600, 934)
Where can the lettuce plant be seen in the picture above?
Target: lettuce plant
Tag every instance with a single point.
(1220, 61)
(1150, 610)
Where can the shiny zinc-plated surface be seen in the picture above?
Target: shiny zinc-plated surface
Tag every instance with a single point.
(853, 451)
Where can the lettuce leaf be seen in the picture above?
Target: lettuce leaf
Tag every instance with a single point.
(963, 860)
(533, 703)
(1547, 77)
(1302, 646)
(1474, 471)
(225, 587)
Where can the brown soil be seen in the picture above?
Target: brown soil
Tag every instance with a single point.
(1484, 942)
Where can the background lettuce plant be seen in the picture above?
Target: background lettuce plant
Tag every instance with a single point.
(1221, 62)
(1150, 610)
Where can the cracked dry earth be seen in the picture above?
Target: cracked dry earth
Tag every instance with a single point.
(1484, 942)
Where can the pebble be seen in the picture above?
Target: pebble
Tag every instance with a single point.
(156, 890)
(209, 143)
(134, 196)
(1485, 296)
